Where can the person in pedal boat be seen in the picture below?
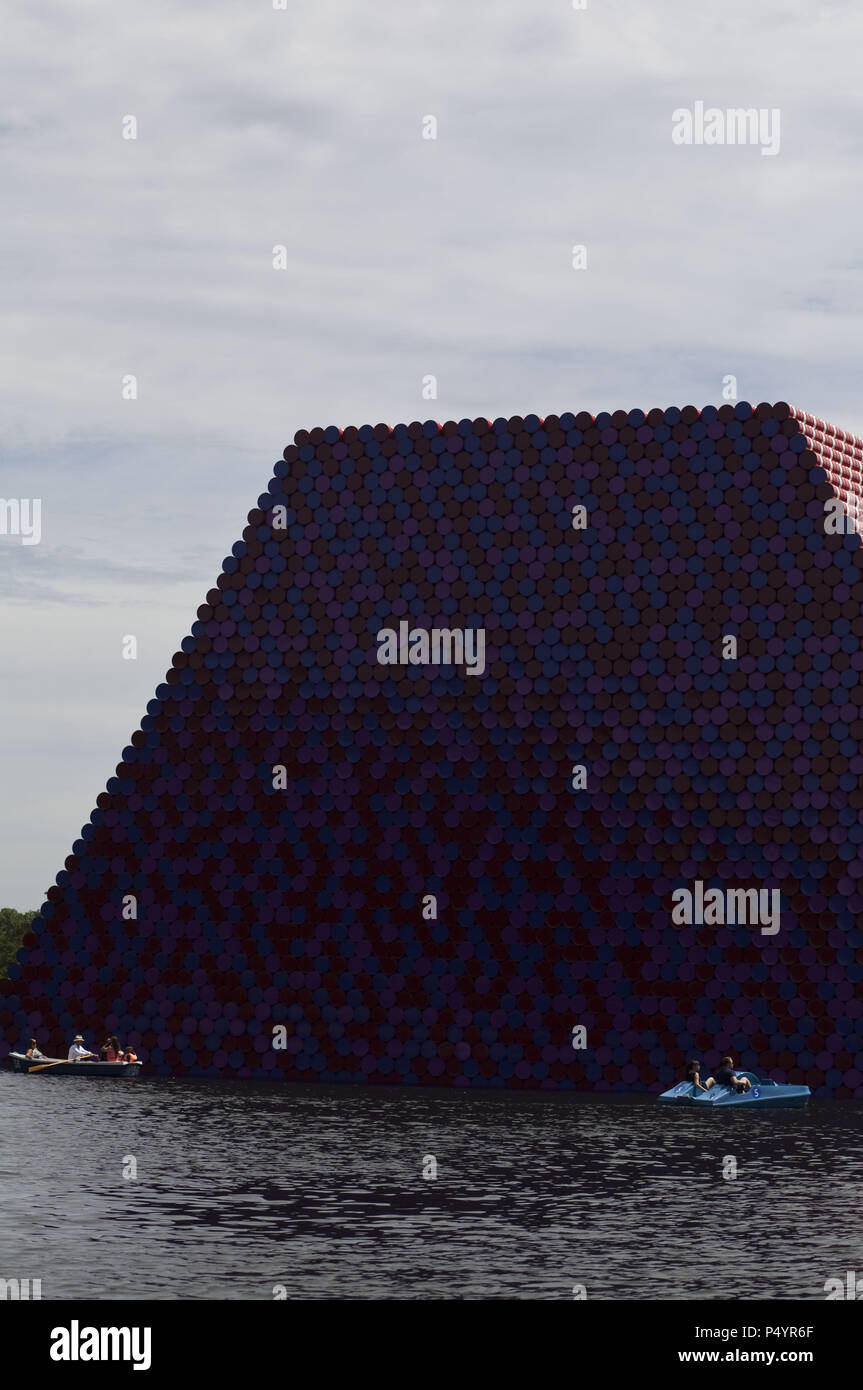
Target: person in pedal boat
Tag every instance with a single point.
(726, 1076)
(33, 1052)
(78, 1053)
(693, 1074)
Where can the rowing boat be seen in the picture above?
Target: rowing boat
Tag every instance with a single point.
(59, 1066)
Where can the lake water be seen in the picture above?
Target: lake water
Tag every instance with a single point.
(244, 1186)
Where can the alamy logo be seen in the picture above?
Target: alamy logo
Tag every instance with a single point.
(21, 517)
(735, 126)
(851, 1287)
(746, 906)
(437, 646)
(76, 1343)
(20, 1289)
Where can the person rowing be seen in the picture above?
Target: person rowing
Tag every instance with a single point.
(79, 1053)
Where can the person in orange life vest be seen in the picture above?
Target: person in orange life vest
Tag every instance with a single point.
(130, 1055)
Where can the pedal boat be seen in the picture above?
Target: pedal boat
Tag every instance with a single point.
(763, 1095)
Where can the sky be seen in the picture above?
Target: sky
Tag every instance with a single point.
(405, 258)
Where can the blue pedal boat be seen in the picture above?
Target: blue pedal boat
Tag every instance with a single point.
(764, 1095)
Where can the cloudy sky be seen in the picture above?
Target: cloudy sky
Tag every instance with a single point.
(406, 257)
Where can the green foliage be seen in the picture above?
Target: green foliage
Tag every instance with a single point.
(13, 928)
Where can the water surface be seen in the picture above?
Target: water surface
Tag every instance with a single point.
(244, 1186)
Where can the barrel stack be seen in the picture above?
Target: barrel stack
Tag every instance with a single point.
(316, 864)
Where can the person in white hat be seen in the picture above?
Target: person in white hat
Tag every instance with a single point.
(78, 1053)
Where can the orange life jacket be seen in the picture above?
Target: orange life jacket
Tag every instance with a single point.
(130, 1056)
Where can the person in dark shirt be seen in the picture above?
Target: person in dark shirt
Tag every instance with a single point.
(693, 1074)
(726, 1076)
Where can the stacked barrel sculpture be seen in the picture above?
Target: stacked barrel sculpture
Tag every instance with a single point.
(470, 710)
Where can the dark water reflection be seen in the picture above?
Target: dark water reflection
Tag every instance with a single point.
(242, 1187)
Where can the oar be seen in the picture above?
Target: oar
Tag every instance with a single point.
(58, 1063)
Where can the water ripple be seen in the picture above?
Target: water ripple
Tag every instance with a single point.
(242, 1187)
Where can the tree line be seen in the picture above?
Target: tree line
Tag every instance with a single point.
(14, 926)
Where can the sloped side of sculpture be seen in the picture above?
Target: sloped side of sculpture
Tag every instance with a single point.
(470, 711)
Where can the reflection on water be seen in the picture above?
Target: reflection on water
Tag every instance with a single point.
(244, 1186)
